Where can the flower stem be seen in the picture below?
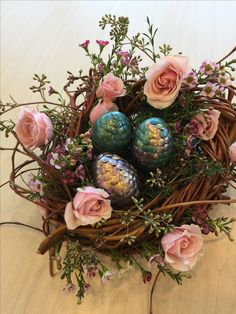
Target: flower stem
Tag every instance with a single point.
(152, 290)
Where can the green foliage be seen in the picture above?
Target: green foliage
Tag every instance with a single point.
(42, 83)
(75, 261)
(220, 224)
(176, 276)
(160, 223)
(7, 126)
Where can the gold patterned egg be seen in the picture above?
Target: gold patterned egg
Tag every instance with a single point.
(117, 177)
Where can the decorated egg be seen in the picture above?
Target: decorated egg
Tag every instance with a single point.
(117, 177)
(153, 143)
(111, 133)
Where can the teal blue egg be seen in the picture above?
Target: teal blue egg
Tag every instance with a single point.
(153, 143)
(111, 133)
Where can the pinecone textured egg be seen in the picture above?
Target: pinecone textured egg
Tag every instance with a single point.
(117, 177)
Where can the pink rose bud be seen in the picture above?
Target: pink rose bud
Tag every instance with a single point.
(164, 80)
(232, 152)
(88, 207)
(101, 108)
(206, 124)
(33, 128)
(183, 246)
(111, 87)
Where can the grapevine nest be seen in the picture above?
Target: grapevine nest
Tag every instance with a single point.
(203, 190)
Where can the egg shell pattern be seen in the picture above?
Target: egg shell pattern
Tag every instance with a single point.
(112, 133)
(153, 143)
(117, 177)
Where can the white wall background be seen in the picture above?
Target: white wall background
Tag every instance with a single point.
(43, 36)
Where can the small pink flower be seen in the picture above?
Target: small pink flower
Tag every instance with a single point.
(85, 44)
(87, 286)
(164, 80)
(147, 277)
(100, 67)
(92, 271)
(224, 80)
(110, 88)
(35, 184)
(57, 160)
(183, 246)
(208, 67)
(68, 177)
(177, 127)
(69, 288)
(33, 128)
(88, 207)
(108, 275)
(80, 172)
(232, 152)
(206, 124)
(102, 42)
(51, 91)
(125, 57)
(190, 79)
(156, 260)
(101, 108)
(209, 90)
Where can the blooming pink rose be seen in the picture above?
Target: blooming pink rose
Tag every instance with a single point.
(232, 152)
(89, 206)
(111, 87)
(206, 124)
(33, 128)
(164, 80)
(183, 246)
(101, 108)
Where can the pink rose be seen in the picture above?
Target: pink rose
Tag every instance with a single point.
(111, 87)
(164, 80)
(206, 124)
(183, 246)
(89, 206)
(232, 152)
(33, 128)
(101, 108)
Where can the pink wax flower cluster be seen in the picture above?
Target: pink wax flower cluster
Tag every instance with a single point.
(190, 79)
(89, 206)
(164, 79)
(125, 57)
(85, 44)
(102, 42)
(209, 90)
(68, 158)
(109, 89)
(200, 216)
(208, 67)
(33, 128)
(35, 184)
(183, 246)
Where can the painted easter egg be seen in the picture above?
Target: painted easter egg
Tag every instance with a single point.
(117, 177)
(111, 133)
(153, 143)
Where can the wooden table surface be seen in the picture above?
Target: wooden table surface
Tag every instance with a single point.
(43, 37)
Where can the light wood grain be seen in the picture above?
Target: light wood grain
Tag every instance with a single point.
(43, 37)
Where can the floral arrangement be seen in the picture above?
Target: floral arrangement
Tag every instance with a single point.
(132, 163)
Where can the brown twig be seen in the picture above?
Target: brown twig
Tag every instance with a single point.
(152, 291)
(229, 54)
